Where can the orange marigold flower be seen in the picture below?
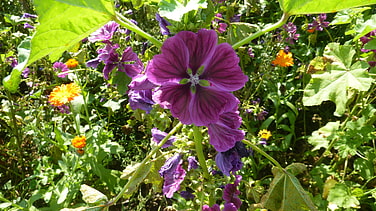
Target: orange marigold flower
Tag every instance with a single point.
(283, 59)
(265, 134)
(71, 63)
(79, 142)
(63, 94)
(311, 30)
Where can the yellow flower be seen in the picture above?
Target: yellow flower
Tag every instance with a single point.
(63, 94)
(283, 59)
(71, 63)
(79, 142)
(265, 134)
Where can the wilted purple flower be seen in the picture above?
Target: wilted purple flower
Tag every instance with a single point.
(25, 72)
(28, 15)
(159, 135)
(261, 116)
(318, 23)
(196, 77)
(105, 33)
(229, 161)
(225, 133)
(192, 163)
(141, 99)
(187, 195)
(230, 195)
(163, 23)
(28, 26)
(215, 207)
(173, 175)
(62, 68)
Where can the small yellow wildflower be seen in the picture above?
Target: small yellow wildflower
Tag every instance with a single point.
(63, 94)
(264, 134)
(79, 142)
(71, 63)
(283, 59)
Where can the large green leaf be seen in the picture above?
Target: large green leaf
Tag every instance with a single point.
(341, 196)
(174, 10)
(321, 137)
(296, 7)
(340, 76)
(286, 193)
(63, 23)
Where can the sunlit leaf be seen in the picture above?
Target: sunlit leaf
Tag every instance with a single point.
(296, 7)
(286, 193)
(341, 196)
(174, 9)
(64, 23)
(340, 76)
(91, 195)
(321, 137)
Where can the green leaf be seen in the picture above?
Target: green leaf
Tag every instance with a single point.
(341, 196)
(296, 7)
(122, 81)
(321, 137)
(286, 193)
(12, 81)
(174, 10)
(364, 28)
(64, 23)
(137, 177)
(333, 84)
(92, 196)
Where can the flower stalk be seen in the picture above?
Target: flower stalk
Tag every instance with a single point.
(270, 158)
(131, 26)
(200, 154)
(246, 40)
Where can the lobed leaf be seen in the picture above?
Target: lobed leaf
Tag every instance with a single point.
(286, 193)
(64, 23)
(174, 10)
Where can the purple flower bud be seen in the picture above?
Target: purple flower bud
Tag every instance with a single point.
(25, 72)
(230, 161)
(222, 27)
(28, 26)
(215, 207)
(27, 15)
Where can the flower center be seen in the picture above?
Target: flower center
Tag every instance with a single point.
(194, 79)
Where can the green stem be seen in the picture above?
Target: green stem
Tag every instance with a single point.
(270, 158)
(143, 163)
(244, 41)
(131, 26)
(200, 154)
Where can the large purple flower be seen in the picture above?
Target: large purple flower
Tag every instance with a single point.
(196, 77)
(105, 33)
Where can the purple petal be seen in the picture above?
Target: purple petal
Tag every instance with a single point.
(141, 82)
(215, 207)
(208, 103)
(178, 98)
(104, 33)
(172, 64)
(172, 181)
(141, 99)
(170, 165)
(223, 137)
(223, 70)
(230, 207)
(192, 163)
(201, 46)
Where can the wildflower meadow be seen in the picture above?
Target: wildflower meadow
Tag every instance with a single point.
(172, 105)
